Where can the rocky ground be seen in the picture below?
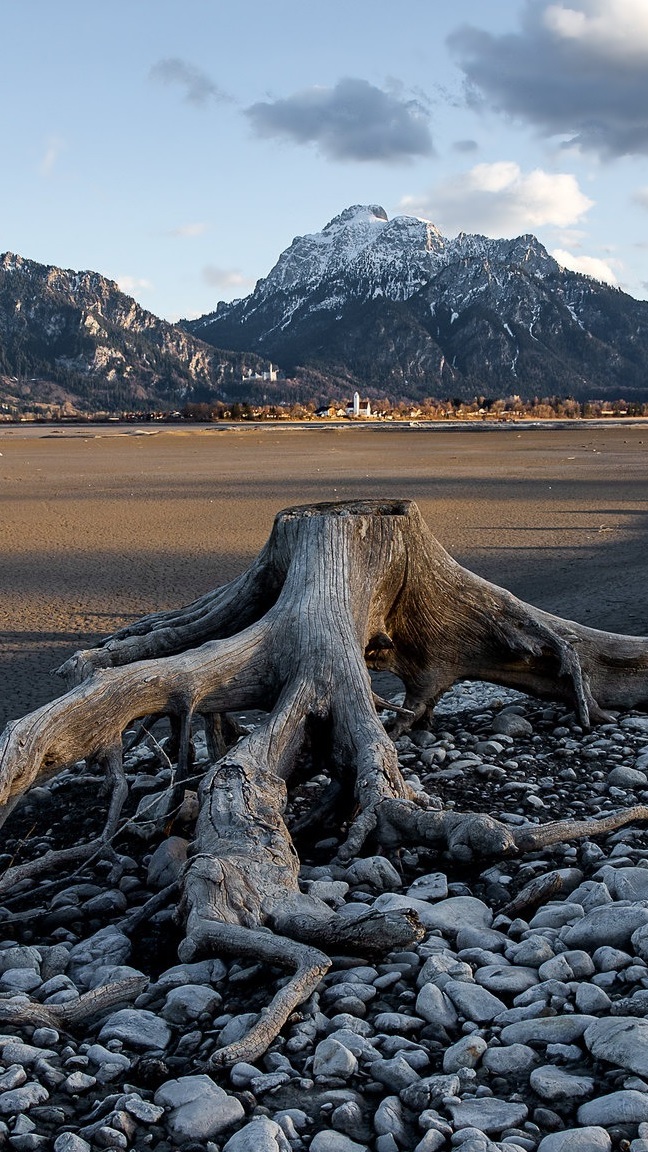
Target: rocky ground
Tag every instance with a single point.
(518, 1024)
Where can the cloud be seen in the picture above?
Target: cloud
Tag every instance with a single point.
(641, 197)
(500, 200)
(588, 265)
(53, 149)
(577, 68)
(224, 277)
(132, 284)
(188, 230)
(352, 121)
(465, 146)
(199, 88)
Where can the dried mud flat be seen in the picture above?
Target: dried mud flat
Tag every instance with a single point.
(518, 1023)
(99, 527)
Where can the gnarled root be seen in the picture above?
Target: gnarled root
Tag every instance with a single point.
(337, 589)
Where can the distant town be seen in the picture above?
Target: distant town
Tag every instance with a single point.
(358, 408)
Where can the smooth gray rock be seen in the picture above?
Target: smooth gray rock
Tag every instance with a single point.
(488, 1114)
(14, 1077)
(610, 924)
(70, 1142)
(200, 972)
(198, 1108)
(466, 1053)
(625, 883)
(107, 946)
(375, 872)
(395, 1074)
(511, 979)
(639, 941)
(260, 1135)
(167, 862)
(22, 1099)
(510, 724)
(575, 964)
(554, 1084)
(531, 952)
(432, 886)
(14, 1051)
(448, 916)
(137, 1028)
(99, 1056)
(20, 980)
(514, 1060)
(625, 1107)
(20, 956)
(185, 1004)
(433, 1005)
(621, 1040)
(328, 1140)
(589, 1139)
(142, 1110)
(473, 1002)
(625, 777)
(591, 999)
(388, 1120)
(333, 1060)
(547, 1029)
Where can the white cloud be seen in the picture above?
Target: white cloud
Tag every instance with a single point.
(53, 150)
(187, 230)
(500, 200)
(577, 68)
(224, 277)
(132, 284)
(613, 29)
(641, 197)
(352, 121)
(588, 265)
(198, 86)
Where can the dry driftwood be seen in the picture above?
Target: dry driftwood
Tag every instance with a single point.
(337, 589)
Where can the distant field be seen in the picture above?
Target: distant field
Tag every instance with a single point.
(101, 525)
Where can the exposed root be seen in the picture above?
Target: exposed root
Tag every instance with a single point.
(20, 1010)
(337, 588)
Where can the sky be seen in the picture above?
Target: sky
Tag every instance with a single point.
(178, 146)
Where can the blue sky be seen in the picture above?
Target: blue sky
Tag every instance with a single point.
(178, 146)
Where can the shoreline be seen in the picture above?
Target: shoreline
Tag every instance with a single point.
(29, 430)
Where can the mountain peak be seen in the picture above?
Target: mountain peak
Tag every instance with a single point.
(358, 214)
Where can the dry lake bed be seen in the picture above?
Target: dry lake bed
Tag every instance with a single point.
(101, 525)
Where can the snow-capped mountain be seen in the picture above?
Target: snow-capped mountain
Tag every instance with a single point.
(395, 307)
(75, 337)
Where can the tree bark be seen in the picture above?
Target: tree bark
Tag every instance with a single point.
(337, 589)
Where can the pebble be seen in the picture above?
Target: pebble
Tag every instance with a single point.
(437, 1045)
(333, 1060)
(625, 1107)
(487, 1114)
(137, 1028)
(621, 1040)
(198, 1109)
(612, 924)
(472, 1001)
(587, 1139)
(260, 1135)
(554, 1084)
(23, 1098)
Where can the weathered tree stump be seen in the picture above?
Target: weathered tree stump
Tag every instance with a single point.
(337, 589)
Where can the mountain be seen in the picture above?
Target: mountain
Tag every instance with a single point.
(74, 338)
(393, 307)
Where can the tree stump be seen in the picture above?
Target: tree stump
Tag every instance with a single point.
(338, 589)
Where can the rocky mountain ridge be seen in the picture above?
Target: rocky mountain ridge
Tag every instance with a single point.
(76, 338)
(394, 307)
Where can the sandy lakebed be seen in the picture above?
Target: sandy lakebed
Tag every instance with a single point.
(100, 525)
